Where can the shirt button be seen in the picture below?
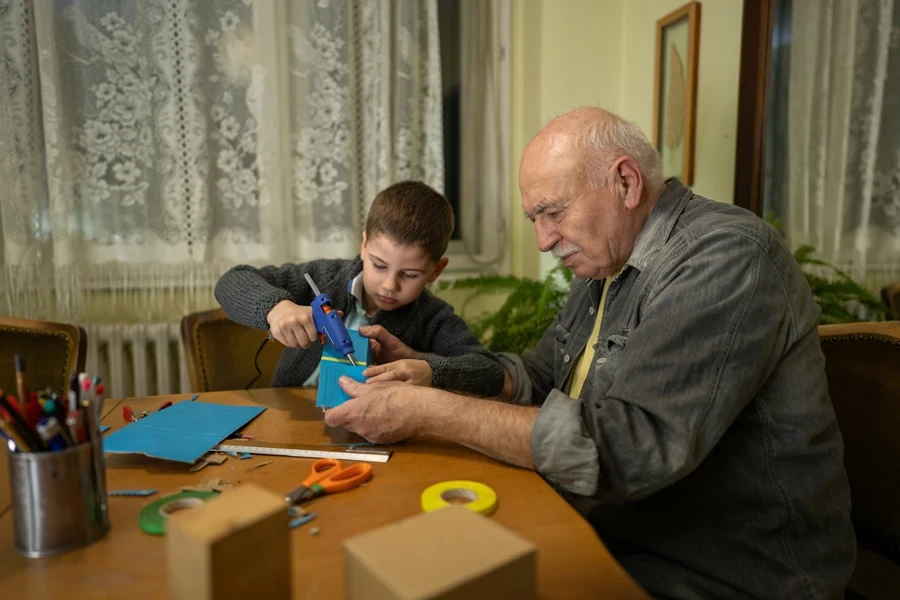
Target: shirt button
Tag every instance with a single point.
(566, 358)
(591, 310)
(600, 361)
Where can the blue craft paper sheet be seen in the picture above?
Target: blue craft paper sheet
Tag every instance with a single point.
(330, 393)
(184, 432)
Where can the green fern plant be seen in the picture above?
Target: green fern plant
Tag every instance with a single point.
(529, 308)
(841, 298)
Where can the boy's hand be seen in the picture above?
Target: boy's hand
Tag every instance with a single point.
(292, 325)
(416, 372)
(386, 348)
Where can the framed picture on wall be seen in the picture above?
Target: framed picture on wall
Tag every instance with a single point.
(675, 90)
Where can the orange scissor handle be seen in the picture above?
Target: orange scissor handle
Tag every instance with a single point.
(331, 477)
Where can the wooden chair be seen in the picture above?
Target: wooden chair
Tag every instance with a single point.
(862, 363)
(220, 352)
(891, 296)
(52, 351)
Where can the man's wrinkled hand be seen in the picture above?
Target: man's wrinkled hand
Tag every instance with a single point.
(382, 413)
(385, 346)
(416, 372)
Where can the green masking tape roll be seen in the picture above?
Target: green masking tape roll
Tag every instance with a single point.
(153, 517)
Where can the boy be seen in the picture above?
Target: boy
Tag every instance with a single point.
(415, 336)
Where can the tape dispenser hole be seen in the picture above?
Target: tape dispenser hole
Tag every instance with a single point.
(459, 496)
(178, 505)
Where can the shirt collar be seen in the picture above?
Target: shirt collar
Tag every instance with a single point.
(660, 223)
(355, 287)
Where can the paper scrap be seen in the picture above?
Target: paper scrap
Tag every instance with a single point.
(231, 454)
(245, 456)
(298, 522)
(131, 493)
(314, 531)
(296, 511)
(258, 465)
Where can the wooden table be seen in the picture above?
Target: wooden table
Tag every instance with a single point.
(128, 563)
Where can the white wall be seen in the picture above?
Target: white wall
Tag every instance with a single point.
(717, 84)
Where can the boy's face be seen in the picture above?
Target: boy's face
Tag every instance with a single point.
(394, 275)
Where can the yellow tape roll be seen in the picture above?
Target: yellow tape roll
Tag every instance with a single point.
(480, 498)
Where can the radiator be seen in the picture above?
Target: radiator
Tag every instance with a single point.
(137, 359)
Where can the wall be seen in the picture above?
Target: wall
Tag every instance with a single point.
(717, 84)
(567, 53)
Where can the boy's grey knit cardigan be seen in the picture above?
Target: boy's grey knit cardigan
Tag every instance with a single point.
(428, 324)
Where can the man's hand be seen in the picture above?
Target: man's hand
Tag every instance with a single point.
(382, 413)
(292, 325)
(386, 347)
(416, 372)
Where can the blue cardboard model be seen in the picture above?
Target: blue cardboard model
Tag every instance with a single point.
(334, 365)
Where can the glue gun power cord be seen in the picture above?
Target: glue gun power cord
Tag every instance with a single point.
(256, 360)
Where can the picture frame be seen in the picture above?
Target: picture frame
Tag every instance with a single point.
(675, 90)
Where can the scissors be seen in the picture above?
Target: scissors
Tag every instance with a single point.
(328, 476)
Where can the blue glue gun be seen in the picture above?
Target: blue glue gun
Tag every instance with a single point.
(329, 324)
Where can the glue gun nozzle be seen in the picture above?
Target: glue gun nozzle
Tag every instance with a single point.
(352, 359)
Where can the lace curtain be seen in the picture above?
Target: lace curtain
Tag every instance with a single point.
(843, 132)
(148, 145)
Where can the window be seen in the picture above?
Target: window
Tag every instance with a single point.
(474, 37)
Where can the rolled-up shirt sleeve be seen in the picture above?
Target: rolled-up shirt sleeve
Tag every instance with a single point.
(561, 447)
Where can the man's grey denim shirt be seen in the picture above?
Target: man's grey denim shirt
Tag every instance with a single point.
(703, 447)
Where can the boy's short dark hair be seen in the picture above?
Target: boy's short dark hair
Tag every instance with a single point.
(412, 213)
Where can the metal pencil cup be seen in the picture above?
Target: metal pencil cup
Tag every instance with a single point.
(58, 500)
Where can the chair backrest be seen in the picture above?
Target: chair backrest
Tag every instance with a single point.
(891, 296)
(52, 351)
(220, 353)
(862, 363)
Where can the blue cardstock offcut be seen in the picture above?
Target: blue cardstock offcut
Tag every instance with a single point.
(183, 432)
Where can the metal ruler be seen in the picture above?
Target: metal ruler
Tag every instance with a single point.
(366, 454)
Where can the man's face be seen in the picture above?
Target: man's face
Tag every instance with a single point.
(589, 230)
(395, 275)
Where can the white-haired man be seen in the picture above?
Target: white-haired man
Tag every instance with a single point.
(679, 400)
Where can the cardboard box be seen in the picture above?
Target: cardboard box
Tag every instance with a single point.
(450, 554)
(235, 546)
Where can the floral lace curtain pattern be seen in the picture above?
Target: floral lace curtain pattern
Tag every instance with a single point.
(843, 132)
(148, 145)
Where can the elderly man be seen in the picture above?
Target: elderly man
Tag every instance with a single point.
(679, 400)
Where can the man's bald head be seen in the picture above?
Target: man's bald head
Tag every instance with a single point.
(592, 139)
